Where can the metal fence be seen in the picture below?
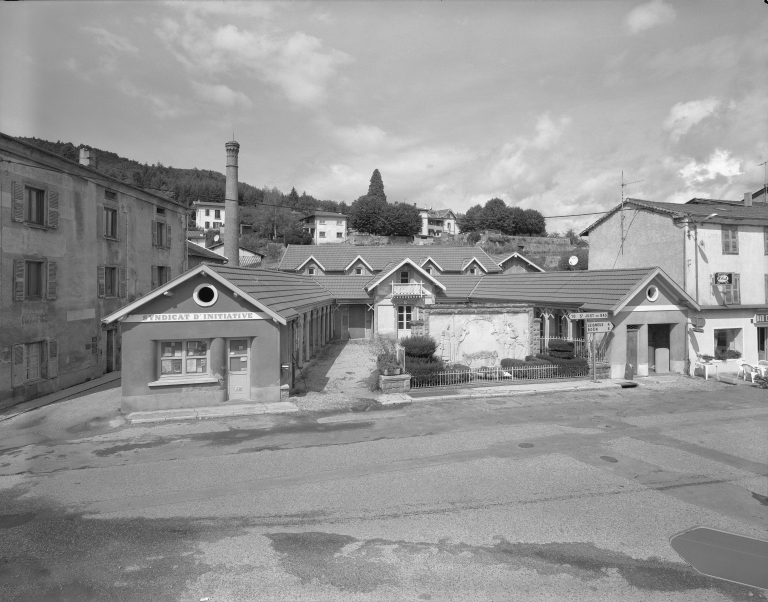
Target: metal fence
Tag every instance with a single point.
(581, 347)
(484, 375)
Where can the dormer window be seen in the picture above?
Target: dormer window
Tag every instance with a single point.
(473, 271)
(358, 271)
(428, 271)
(311, 271)
(404, 277)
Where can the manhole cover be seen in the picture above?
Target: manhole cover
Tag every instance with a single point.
(525, 445)
(610, 459)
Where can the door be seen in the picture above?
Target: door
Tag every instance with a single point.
(357, 321)
(632, 351)
(658, 347)
(404, 316)
(762, 343)
(237, 369)
(110, 350)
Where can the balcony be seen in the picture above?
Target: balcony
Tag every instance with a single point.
(412, 290)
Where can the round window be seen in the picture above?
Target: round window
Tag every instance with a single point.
(652, 293)
(205, 295)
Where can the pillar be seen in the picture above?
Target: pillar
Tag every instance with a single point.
(617, 350)
(677, 334)
(643, 361)
(218, 357)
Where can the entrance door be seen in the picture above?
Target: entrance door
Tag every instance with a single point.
(762, 342)
(404, 316)
(357, 321)
(110, 351)
(632, 350)
(658, 347)
(237, 373)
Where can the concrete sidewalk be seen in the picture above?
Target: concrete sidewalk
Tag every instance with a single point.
(218, 411)
(449, 394)
(45, 400)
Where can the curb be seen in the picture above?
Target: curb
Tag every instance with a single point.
(256, 409)
(515, 393)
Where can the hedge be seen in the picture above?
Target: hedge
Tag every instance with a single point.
(419, 346)
(578, 366)
(562, 349)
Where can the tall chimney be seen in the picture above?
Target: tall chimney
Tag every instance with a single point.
(231, 213)
(747, 199)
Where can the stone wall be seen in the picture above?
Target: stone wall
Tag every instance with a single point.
(395, 384)
(482, 334)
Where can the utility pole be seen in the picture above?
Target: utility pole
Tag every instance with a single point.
(765, 178)
(624, 185)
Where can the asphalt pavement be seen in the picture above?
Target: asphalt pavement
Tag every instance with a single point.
(557, 496)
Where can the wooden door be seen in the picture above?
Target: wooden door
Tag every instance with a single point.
(237, 369)
(110, 350)
(632, 351)
(357, 321)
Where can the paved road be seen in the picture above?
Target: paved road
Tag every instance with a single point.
(561, 497)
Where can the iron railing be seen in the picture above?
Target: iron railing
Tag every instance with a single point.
(581, 347)
(412, 289)
(484, 375)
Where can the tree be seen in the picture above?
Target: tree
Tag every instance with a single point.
(582, 253)
(293, 198)
(376, 187)
(400, 219)
(365, 215)
(535, 224)
(495, 216)
(471, 221)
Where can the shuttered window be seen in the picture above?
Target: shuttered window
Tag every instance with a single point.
(110, 222)
(765, 239)
(730, 292)
(34, 361)
(730, 240)
(31, 206)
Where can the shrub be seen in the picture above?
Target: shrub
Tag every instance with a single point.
(426, 369)
(578, 366)
(562, 349)
(509, 362)
(727, 354)
(419, 346)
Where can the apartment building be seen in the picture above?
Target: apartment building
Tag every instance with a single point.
(75, 245)
(326, 227)
(715, 250)
(209, 216)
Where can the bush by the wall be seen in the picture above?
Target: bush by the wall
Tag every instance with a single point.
(562, 349)
(578, 366)
(425, 369)
(419, 346)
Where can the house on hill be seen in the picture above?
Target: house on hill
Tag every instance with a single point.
(326, 227)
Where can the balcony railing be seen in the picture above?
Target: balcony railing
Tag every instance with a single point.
(412, 289)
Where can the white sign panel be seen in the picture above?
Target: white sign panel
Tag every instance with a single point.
(589, 315)
(201, 317)
(599, 327)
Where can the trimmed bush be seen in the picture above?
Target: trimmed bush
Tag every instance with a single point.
(562, 349)
(425, 369)
(578, 366)
(419, 346)
(509, 362)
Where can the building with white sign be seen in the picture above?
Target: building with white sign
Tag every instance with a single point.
(715, 250)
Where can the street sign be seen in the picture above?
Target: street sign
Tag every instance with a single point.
(589, 315)
(724, 555)
(599, 327)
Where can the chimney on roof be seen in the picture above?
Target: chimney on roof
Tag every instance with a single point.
(87, 157)
(747, 199)
(231, 242)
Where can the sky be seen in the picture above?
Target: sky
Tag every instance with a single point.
(542, 104)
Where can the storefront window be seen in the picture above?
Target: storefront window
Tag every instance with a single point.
(727, 339)
(182, 358)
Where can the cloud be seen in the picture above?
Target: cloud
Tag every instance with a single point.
(111, 40)
(719, 165)
(684, 115)
(649, 15)
(164, 106)
(295, 63)
(220, 94)
(365, 138)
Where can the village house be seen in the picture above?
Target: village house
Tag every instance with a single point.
(326, 227)
(249, 258)
(76, 245)
(209, 216)
(515, 263)
(436, 223)
(715, 250)
(197, 254)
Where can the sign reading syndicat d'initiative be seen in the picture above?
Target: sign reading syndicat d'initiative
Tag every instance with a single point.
(201, 317)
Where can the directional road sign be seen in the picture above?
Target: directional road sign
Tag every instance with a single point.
(724, 555)
(599, 327)
(589, 315)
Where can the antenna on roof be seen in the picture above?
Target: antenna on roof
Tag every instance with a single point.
(765, 176)
(624, 185)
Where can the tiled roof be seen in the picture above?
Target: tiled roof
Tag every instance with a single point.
(728, 212)
(198, 251)
(458, 286)
(337, 257)
(325, 214)
(440, 213)
(586, 289)
(502, 259)
(285, 294)
(345, 287)
(242, 247)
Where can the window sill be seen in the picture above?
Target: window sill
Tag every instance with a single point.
(36, 226)
(185, 380)
(111, 238)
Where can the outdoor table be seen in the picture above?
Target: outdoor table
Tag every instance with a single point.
(706, 366)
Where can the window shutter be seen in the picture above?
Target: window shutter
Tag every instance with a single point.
(18, 202)
(154, 277)
(765, 240)
(101, 281)
(735, 240)
(736, 287)
(19, 365)
(726, 236)
(168, 236)
(53, 358)
(154, 233)
(18, 280)
(43, 359)
(101, 228)
(53, 209)
(121, 284)
(52, 280)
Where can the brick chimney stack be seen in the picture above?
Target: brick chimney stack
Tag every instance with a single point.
(231, 213)
(87, 157)
(747, 199)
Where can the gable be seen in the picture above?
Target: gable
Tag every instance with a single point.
(666, 298)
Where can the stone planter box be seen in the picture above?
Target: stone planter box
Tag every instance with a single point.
(396, 384)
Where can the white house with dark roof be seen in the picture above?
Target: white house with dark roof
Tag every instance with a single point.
(437, 222)
(326, 227)
(715, 250)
